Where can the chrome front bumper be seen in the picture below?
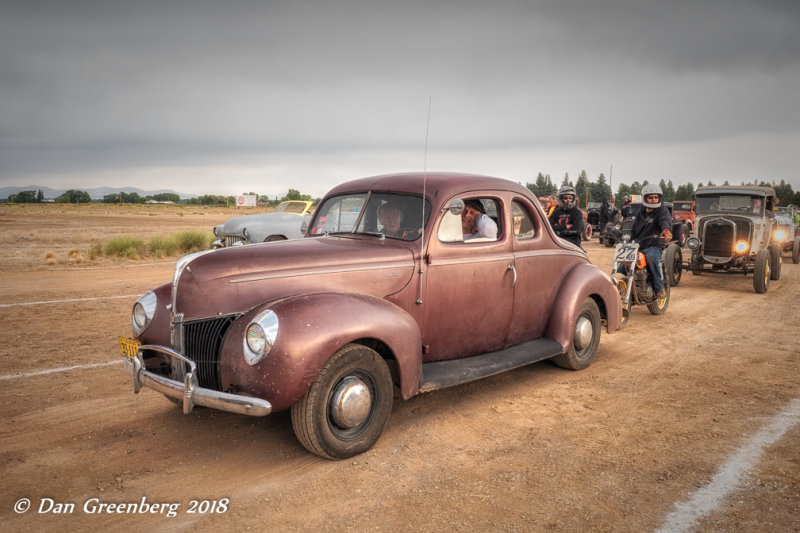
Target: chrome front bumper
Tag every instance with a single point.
(188, 391)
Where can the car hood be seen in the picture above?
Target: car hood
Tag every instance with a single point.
(234, 280)
(236, 225)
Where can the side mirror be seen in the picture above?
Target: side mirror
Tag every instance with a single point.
(456, 206)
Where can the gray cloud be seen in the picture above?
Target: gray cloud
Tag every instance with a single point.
(106, 88)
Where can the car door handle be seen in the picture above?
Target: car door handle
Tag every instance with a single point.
(514, 270)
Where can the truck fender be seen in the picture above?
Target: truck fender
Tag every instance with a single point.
(581, 282)
(311, 328)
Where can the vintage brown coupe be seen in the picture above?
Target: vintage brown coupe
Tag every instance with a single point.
(326, 324)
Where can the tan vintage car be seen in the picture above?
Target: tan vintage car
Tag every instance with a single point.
(326, 326)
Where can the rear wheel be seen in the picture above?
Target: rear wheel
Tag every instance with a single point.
(585, 340)
(659, 305)
(776, 261)
(347, 406)
(761, 272)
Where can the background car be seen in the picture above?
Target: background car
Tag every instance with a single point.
(787, 236)
(325, 326)
(683, 210)
(285, 222)
(735, 227)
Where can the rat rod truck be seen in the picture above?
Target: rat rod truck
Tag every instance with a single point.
(325, 326)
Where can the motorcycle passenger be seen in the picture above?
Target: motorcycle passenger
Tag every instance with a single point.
(651, 229)
(566, 219)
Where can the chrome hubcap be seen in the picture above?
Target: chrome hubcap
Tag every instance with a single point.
(350, 403)
(583, 333)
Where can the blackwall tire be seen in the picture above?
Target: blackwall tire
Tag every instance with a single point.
(761, 272)
(659, 307)
(776, 261)
(796, 251)
(673, 264)
(331, 419)
(587, 338)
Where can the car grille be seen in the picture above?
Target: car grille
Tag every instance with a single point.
(202, 344)
(230, 240)
(720, 234)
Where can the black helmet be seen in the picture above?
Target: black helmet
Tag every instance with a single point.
(566, 190)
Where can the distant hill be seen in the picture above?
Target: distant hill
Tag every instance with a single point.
(96, 194)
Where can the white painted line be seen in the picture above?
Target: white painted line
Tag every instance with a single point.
(54, 370)
(732, 474)
(71, 300)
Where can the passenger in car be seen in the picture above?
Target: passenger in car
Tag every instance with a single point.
(391, 218)
(475, 223)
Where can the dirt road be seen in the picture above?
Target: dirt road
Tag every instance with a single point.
(667, 405)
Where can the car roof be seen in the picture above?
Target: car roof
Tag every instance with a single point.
(735, 189)
(444, 184)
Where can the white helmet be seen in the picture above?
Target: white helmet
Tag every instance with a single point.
(652, 188)
(566, 189)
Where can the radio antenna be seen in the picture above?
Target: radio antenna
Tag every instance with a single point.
(424, 194)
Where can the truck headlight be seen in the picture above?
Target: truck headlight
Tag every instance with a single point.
(780, 235)
(259, 336)
(693, 243)
(143, 311)
(741, 246)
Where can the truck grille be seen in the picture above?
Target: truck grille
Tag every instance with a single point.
(202, 344)
(718, 240)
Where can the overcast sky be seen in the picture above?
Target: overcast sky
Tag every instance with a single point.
(234, 96)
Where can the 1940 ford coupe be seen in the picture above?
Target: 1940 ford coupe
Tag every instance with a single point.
(326, 325)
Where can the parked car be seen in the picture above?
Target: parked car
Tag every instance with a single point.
(787, 236)
(735, 226)
(323, 326)
(285, 222)
(682, 210)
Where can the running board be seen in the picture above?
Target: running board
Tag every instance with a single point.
(442, 374)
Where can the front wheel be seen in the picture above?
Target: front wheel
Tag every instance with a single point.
(761, 272)
(586, 339)
(673, 264)
(796, 251)
(622, 287)
(587, 232)
(345, 409)
(775, 261)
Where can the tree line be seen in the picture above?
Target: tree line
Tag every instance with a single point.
(589, 191)
(73, 196)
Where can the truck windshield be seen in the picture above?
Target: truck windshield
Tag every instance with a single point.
(730, 203)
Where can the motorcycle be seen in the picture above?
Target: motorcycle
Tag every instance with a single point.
(634, 282)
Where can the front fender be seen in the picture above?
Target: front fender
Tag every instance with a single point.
(582, 282)
(311, 329)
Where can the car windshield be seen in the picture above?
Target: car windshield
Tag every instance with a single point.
(731, 203)
(395, 216)
(291, 207)
(682, 206)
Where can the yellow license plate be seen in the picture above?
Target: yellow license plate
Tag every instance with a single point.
(129, 347)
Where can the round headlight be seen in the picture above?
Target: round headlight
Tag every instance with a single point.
(259, 336)
(143, 311)
(780, 235)
(741, 246)
(693, 243)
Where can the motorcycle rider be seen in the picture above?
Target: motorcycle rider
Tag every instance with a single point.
(566, 218)
(651, 229)
(626, 206)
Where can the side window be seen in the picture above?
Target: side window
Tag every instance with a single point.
(523, 225)
(480, 222)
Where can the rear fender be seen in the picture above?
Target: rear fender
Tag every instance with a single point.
(582, 282)
(311, 329)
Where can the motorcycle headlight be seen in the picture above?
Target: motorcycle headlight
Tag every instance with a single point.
(741, 246)
(143, 311)
(259, 336)
(693, 243)
(780, 235)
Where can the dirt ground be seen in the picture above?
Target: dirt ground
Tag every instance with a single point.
(666, 404)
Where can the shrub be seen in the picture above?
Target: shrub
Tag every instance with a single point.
(124, 246)
(193, 240)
